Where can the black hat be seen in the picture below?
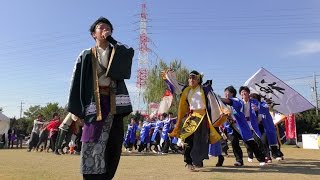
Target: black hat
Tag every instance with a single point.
(55, 114)
(100, 20)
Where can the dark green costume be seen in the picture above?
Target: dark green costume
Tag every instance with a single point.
(102, 108)
(84, 91)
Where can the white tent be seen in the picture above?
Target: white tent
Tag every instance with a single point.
(4, 124)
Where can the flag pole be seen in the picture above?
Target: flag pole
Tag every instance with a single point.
(295, 129)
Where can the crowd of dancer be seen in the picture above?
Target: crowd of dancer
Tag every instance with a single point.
(152, 135)
(249, 120)
(58, 133)
(100, 99)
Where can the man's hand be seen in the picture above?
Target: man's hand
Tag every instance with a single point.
(231, 120)
(254, 107)
(163, 73)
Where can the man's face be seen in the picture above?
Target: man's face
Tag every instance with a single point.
(228, 94)
(102, 31)
(244, 95)
(193, 81)
(57, 117)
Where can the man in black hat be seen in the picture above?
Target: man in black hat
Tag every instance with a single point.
(99, 96)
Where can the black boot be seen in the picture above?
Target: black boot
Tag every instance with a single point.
(57, 152)
(61, 151)
(199, 165)
(257, 153)
(275, 152)
(220, 161)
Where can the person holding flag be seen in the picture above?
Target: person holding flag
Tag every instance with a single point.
(278, 119)
(269, 135)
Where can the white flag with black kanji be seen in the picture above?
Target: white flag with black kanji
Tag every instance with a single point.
(284, 98)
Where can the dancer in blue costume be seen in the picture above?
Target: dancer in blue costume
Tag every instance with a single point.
(156, 135)
(165, 140)
(269, 134)
(145, 135)
(130, 137)
(250, 108)
(238, 128)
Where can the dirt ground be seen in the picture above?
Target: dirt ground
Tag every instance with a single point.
(17, 164)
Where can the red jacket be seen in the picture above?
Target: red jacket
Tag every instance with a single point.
(53, 126)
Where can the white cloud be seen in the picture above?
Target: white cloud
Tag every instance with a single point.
(307, 47)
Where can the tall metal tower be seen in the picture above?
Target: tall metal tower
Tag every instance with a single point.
(143, 59)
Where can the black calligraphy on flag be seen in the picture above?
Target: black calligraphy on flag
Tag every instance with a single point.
(269, 89)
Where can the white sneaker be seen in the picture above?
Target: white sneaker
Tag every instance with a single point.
(238, 164)
(278, 158)
(250, 160)
(268, 160)
(262, 164)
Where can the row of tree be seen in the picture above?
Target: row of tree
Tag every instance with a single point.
(308, 122)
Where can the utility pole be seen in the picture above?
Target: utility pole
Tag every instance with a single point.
(21, 109)
(316, 93)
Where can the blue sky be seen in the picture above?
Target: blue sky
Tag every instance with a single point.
(226, 40)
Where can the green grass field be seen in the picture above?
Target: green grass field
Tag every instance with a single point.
(18, 164)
